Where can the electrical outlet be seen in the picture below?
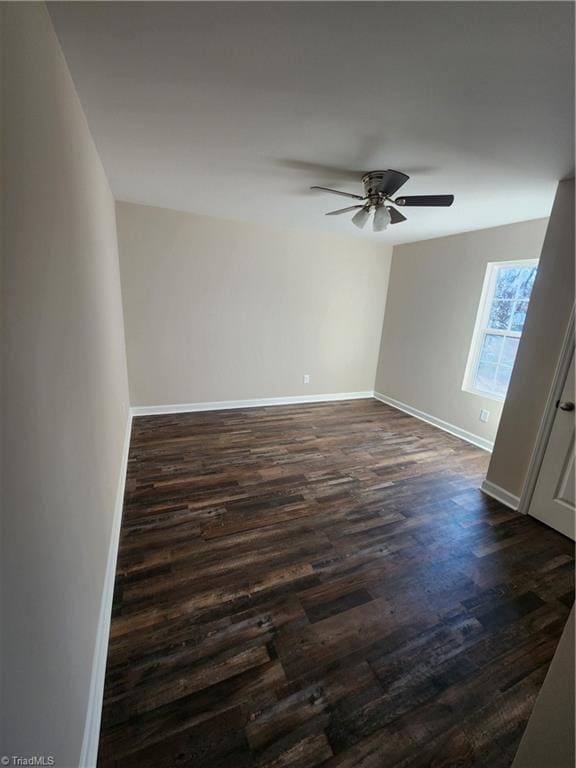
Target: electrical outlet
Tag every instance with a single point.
(484, 415)
(306, 378)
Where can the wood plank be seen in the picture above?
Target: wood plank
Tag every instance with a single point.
(323, 585)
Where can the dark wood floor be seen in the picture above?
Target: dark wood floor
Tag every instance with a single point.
(323, 585)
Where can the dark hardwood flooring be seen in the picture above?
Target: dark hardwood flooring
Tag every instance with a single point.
(323, 585)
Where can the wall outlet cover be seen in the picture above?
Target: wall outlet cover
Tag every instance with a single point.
(306, 378)
(484, 415)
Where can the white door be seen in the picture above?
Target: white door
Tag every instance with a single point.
(553, 500)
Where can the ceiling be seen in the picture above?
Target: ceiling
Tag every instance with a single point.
(235, 109)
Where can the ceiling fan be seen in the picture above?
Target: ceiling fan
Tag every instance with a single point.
(379, 186)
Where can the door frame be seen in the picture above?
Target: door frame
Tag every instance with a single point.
(548, 416)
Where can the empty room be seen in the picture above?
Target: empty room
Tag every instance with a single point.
(287, 384)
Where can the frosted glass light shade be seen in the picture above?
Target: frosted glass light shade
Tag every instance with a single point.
(360, 218)
(381, 218)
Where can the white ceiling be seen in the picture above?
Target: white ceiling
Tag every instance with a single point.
(235, 109)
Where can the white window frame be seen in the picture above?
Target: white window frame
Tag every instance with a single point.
(481, 325)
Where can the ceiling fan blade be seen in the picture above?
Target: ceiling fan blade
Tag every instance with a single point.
(392, 182)
(395, 216)
(444, 200)
(336, 192)
(343, 210)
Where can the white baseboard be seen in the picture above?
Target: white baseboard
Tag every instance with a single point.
(89, 753)
(224, 405)
(501, 495)
(469, 437)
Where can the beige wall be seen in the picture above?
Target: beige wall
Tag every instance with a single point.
(65, 393)
(433, 297)
(546, 324)
(220, 310)
(549, 736)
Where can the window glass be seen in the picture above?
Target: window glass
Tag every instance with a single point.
(499, 325)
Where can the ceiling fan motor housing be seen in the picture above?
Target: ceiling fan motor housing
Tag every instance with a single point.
(374, 183)
(379, 186)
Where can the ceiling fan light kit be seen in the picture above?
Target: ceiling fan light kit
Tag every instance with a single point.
(382, 218)
(379, 186)
(360, 218)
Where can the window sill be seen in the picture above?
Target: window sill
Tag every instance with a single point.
(485, 395)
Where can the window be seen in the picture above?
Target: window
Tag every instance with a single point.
(501, 315)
